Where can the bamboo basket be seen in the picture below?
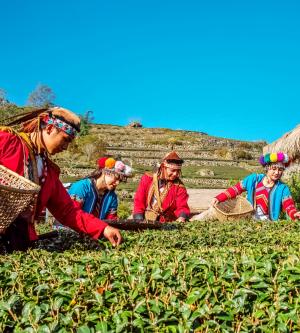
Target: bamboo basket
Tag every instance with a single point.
(233, 209)
(16, 194)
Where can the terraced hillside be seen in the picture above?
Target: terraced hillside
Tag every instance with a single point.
(210, 162)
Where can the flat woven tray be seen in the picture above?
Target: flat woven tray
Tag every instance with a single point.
(234, 209)
(134, 224)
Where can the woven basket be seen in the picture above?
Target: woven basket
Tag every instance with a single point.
(233, 209)
(16, 194)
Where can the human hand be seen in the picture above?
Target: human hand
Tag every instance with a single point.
(180, 219)
(113, 235)
(214, 201)
(297, 215)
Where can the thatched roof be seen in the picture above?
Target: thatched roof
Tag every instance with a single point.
(289, 143)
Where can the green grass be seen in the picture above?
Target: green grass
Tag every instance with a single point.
(223, 172)
(130, 186)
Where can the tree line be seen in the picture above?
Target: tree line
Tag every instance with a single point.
(87, 145)
(41, 96)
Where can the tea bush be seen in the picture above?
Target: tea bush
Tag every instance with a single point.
(294, 185)
(194, 277)
(124, 209)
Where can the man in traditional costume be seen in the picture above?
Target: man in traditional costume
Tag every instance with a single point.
(45, 132)
(162, 196)
(266, 192)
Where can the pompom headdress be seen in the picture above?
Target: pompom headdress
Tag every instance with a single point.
(110, 165)
(279, 157)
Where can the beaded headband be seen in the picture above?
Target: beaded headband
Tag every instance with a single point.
(172, 165)
(62, 125)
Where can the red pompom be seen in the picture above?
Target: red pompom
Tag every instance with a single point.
(101, 162)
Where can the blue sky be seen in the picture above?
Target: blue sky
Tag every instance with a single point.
(228, 68)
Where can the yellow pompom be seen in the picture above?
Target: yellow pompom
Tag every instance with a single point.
(110, 163)
(273, 157)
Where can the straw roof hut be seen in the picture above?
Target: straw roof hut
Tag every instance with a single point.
(288, 143)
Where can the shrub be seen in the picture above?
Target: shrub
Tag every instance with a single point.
(222, 152)
(174, 142)
(232, 182)
(242, 155)
(245, 145)
(294, 185)
(124, 210)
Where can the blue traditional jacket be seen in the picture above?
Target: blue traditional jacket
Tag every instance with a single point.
(85, 191)
(278, 194)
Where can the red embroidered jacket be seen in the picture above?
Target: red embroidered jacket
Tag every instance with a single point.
(174, 205)
(53, 195)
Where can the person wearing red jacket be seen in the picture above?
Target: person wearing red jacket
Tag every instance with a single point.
(162, 196)
(45, 132)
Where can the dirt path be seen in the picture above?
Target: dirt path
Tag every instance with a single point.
(199, 199)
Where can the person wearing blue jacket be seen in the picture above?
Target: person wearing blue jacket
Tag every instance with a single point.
(96, 193)
(268, 195)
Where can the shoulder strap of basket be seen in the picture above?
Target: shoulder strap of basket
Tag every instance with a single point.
(156, 191)
(28, 143)
(24, 140)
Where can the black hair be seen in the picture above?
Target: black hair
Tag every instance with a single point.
(95, 174)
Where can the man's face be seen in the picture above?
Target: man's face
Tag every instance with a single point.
(275, 172)
(55, 140)
(172, 173)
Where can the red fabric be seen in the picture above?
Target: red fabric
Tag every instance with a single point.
(11, 146)
(174, 204)
(52, 195)
(262, 197)
(231, 192)
(111, 216)
(288, 206)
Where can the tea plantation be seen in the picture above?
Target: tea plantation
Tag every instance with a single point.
(195, 277)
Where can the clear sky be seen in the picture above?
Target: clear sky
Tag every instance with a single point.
(228, 68)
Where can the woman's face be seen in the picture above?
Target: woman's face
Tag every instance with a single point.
(274, 172)
(111, 181)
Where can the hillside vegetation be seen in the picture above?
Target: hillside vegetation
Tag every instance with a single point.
(210, 162)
